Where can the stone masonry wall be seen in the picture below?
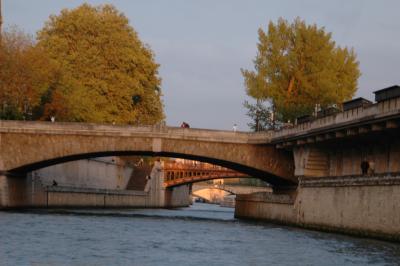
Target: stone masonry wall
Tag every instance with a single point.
(366, 208)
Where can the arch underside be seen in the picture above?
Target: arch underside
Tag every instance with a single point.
(253, 172)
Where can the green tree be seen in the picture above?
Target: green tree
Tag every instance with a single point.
(261, 116)
(104, 68)
(298, 66)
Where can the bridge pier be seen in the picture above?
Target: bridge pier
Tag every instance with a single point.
(21, 192)
(177, 196)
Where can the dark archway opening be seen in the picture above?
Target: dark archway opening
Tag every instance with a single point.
(274, 180)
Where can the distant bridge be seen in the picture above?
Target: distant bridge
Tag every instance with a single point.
(217, 192)
(176, 174)
(231, 189)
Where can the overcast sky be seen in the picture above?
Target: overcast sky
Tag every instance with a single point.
(201, 45)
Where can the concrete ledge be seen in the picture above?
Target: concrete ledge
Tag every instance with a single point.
(384, 180)
(94, 191)
(67, 197)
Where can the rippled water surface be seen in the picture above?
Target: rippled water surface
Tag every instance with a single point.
(200, 235)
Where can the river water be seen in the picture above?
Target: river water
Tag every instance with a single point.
(200, 235)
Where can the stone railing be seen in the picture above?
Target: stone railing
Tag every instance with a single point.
(388, 108)
(156, 131)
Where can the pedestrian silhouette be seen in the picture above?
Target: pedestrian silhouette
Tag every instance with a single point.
(185, 125)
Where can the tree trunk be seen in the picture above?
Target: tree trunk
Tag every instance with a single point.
(291, 85)
(290, 89)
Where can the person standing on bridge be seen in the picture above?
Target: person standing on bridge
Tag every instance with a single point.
(185, 125)
(234, 128)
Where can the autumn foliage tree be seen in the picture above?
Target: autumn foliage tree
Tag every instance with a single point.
(25, 73)
(298, 66)
(107, 73)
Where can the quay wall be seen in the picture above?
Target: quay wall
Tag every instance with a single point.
(94, 198)
(31, 192)
(265, 206)
(18, 193)
(363, 206)
(101, 173)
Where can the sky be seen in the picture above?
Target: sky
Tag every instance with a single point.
(201, 45)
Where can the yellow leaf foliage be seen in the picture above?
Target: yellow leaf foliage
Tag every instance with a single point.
(298, 66)
(104, 65)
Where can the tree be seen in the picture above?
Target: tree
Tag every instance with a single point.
(104, 66)
(261, 116)
(25, 73)
(298, 66)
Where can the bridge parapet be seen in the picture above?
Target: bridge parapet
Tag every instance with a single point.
(156, 131)
(381, 112)
(336, 145)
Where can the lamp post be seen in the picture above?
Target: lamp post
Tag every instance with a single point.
(1, 21)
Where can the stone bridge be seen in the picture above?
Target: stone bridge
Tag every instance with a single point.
(344, 164)
(328, 145)
(26, 146)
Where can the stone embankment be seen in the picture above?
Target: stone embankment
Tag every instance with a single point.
(30, 192)
(364, 207)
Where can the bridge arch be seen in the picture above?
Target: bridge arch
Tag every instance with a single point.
(26, 146)
(249, 171)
